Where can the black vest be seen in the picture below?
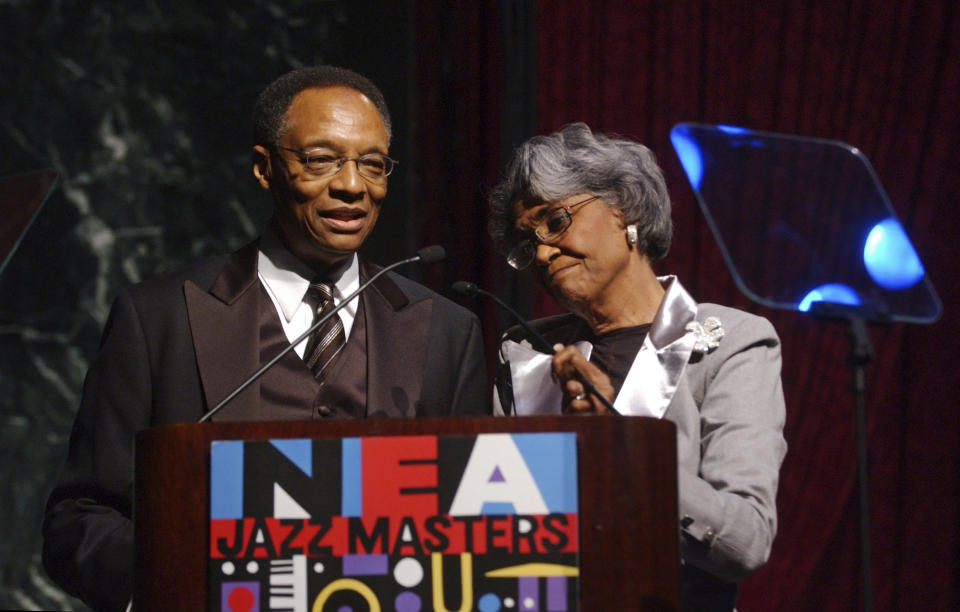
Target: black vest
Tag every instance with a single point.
(289, 389)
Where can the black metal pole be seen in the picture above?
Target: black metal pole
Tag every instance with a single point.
(861, 353)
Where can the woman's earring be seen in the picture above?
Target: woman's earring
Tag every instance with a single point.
(632, 234)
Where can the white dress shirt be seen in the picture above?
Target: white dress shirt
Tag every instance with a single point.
(287, 279)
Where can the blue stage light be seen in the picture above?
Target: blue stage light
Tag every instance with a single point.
(890, 258)
(689, 154)
(836, 293)
(732, 129)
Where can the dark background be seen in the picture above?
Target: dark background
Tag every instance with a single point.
(142, 107)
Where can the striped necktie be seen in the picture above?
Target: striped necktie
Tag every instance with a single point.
(326, 342)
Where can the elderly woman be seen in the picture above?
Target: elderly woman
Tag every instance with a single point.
(589, 213)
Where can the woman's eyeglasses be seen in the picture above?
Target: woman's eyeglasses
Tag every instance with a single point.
(549, 231)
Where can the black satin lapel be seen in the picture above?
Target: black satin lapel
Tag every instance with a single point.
(397, 342)
(224, 326)
(238, 274)
(384, 285)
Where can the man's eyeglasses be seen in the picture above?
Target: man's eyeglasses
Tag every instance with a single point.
(374, 166)
(549, 231)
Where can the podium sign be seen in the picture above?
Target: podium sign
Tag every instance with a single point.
(612, 541)
(405, 523)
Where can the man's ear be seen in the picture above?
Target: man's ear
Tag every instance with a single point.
(262, 170)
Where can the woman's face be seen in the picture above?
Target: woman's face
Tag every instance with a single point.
(583, 265)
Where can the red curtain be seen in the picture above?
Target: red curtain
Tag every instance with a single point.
(885, 77)
(457, 142)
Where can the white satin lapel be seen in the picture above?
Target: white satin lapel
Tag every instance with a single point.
(534, 390)
(658, 367)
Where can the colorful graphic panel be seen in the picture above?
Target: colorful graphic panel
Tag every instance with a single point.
(404, 524)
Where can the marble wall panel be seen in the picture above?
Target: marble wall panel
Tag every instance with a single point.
(142, 107)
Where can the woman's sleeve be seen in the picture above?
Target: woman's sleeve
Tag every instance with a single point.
(728, 509)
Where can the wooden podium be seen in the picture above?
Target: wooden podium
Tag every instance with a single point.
(629, 536)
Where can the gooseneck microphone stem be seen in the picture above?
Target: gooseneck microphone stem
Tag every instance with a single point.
(540, 343)
(426, 255)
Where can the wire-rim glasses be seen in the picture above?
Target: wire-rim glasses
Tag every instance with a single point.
(554, 223)
(374, 166)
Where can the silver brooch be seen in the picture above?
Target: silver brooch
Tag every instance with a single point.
(706, 335)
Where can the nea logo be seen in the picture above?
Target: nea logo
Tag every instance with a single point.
(425, 475)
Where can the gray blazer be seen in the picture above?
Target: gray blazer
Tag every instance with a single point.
(726, 400)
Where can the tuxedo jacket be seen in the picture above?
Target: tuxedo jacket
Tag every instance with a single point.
(727, 403)
(173, 347)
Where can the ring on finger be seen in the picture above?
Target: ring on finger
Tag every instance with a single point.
(580, 396)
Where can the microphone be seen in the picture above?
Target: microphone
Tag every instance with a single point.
(426, 255)
(431, 254)
(469, 289)
(540, 343)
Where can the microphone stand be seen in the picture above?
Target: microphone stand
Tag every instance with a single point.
(540, 343)
(430, 254)
(856, 319)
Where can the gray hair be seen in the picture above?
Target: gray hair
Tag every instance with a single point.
(623, 173)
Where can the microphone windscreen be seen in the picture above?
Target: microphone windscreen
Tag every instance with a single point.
(465, 288)
(431, 254)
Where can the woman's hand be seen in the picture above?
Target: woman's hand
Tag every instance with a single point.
(567, 364)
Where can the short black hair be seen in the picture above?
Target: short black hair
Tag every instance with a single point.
(274, 101)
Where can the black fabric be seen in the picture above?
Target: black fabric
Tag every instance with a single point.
(343, 391)
(614, 352)
(703, 592)
(288, 389)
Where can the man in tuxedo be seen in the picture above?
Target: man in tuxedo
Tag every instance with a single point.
(173, 347)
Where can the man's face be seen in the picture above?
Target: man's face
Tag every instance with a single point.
(323, 219)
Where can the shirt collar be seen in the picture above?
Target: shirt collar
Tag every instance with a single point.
(287, 278)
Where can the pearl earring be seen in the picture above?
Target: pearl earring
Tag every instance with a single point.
(632, 234)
